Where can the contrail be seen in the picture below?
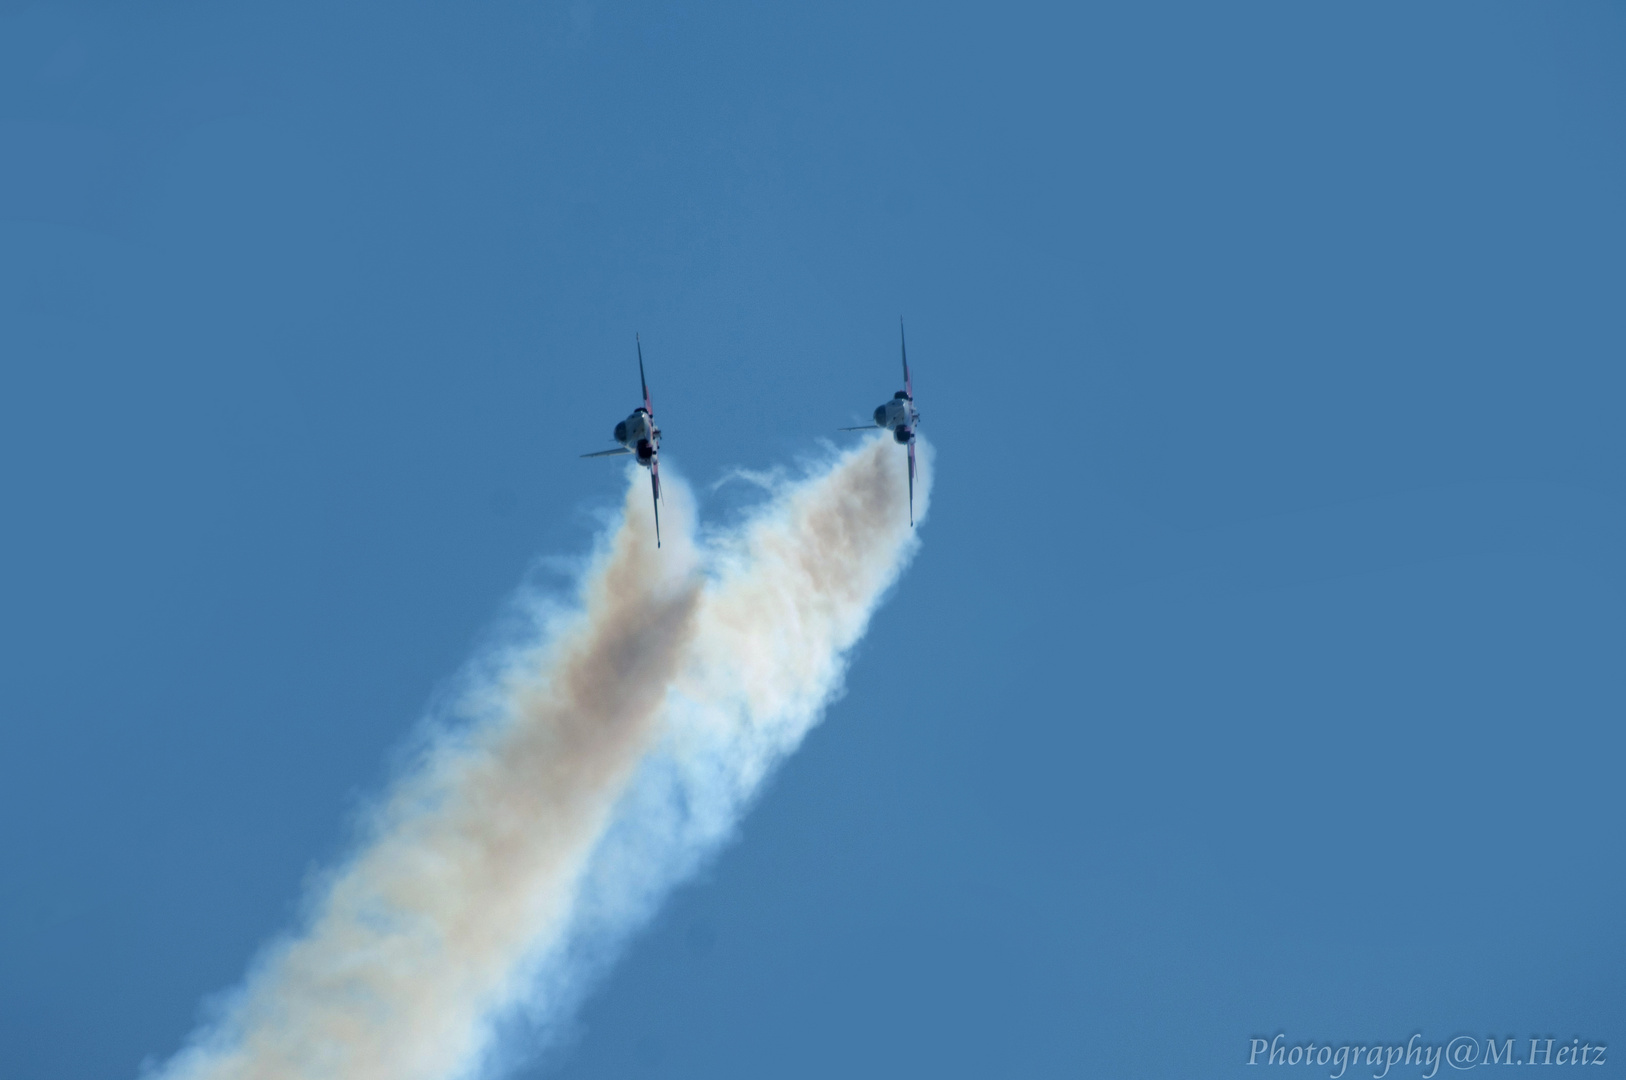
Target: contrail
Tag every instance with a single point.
(500, 873)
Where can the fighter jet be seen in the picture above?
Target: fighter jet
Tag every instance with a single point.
(901, 417)
(638, 435)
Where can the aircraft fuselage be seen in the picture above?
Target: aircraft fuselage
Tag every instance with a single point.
(639, 434)
(898, 416)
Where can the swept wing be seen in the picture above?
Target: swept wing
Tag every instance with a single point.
(655, 482)
(911, 483)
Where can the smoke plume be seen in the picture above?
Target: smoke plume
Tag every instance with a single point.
(500, 873)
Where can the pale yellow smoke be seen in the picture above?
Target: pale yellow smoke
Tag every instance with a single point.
(619, 757)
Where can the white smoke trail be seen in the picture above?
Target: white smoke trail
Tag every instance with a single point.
(499, 875)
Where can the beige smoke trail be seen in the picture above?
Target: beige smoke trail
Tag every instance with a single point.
(620, 756)
(789, 593)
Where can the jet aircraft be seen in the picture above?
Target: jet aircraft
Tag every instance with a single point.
(638, 435)
(900, 416)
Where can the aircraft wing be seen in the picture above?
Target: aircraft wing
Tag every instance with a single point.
(648, 407)
(610, 453)
(655, 481)
(911, 483)
(908, 386)
(866, 427)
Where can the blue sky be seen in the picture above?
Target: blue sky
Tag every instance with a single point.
(1261, 669)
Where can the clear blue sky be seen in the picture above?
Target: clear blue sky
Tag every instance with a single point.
(1262, 669)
